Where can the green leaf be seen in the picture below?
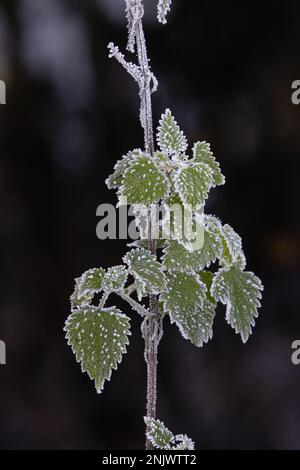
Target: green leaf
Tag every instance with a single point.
(146, 270)
(161, 438)
(177, 258)
(98, 339)
(86, 286)
(115, 279)
(92, 280)
(240, 291)
(143, 182)
(116, 179)
(193, 184)
(170, 138)
(232, 247)
(158, 434)
(203, 154)
(185, 301)
(79, 298)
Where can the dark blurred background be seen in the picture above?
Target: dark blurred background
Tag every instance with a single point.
(225, 69)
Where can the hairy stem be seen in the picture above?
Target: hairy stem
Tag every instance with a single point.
(150, 328)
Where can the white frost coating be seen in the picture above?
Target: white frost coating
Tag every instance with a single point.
(130, 67)
(134, 12)
(162, 438)
(141, 73)
(136, 73)
(100, 345)
(163, 8)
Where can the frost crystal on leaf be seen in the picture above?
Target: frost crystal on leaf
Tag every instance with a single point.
(143, 182)
(203, 154)
(98, 339)
(146, 271)
(115, 279)
(163, 8)
(158, 434)
(170, 138)
(92, 280)
(240, 291)
(193, 184)
(161, 438)
(185, 302)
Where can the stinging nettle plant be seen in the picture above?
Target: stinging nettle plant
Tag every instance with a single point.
(173, 277)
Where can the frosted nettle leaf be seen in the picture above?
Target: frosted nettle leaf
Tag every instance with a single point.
(92, 280)
(163, 162)
(86, 286)
(143, 182)
(202, 153)
(232, 247)
(193, 184)
(116, 179)
(79, 298)
(158, 434)
(240, 291)
(170, 138)
(163, 8)
(161, 438)
(115, 279)
(98, 339)
(184, 301)
(177, 258)
(146, 270)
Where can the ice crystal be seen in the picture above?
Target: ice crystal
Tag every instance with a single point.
(163, 8)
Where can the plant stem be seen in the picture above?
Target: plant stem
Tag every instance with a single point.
(151, 326)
